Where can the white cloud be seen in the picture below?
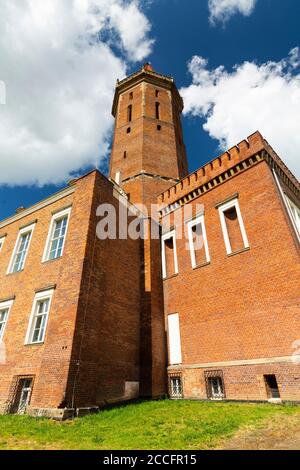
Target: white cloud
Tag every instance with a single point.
(59, 60)
(222, 10)
(251, 97)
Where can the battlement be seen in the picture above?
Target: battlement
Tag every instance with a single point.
(238, 158)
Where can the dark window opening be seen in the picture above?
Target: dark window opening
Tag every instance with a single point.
(156, 93)
(128, 130)
(129, 113)
(215, 388)
(272, 386)
(159, 127)
(175, 387)
(130, 95)
(125, 155)
(233, 229)
(157, 106)
(169, 253)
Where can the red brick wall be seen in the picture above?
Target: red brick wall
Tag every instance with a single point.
(244, 306)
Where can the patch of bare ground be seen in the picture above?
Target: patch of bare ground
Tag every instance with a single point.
(276, 433)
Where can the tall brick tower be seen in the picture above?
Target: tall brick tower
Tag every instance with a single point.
(149, 156)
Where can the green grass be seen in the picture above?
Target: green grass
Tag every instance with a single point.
(146, 425)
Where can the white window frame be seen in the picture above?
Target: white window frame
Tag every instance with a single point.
(5, 306)
(165, 237)
(174, 339)
(23, 231)
(223, 208)
(295, 219)
(55, 218)
(2, 240)
(199, 220)
(40, 296)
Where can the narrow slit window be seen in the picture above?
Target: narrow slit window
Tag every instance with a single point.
(198, 244)
(157, 110)
(233, 228)
(129, 113)
(131, 95)
(169, 255)
(18, 259)
(272, 386)
(39, 318)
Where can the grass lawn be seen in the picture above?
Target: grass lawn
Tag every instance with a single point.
(149, 425)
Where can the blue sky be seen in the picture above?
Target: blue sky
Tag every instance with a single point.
(181, 30)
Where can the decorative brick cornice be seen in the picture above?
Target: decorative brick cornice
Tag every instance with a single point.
(236, 160)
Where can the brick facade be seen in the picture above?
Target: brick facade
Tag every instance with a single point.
(107, 334)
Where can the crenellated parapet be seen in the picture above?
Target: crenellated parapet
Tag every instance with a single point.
(237, 159)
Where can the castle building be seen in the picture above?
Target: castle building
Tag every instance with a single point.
(208, 309)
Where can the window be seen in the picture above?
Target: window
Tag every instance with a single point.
(214, 385)
(175, 387)
(22, 391)
(57, 235)
(272, 386)
(175, 356)
(131, 95)
(128, 130)
(157, 113)
(156, 93)
(233, 227)
(4, 312)
(2, 239)
(21, 249)
(169, 255)
(198, 242)
(39, 317)
(129, 113)
(295, 213)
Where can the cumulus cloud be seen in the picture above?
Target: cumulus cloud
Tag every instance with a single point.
(222, 10)
(59, 61)
(264, 97)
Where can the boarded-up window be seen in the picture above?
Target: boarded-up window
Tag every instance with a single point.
(174, 339)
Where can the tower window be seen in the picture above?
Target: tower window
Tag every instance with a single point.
(131, 95)
(159, 127)
(128, 130)
(157, 113)
(156, 93)
(129, 113)
(125, 155)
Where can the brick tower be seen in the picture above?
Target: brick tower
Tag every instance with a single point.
(149, 156)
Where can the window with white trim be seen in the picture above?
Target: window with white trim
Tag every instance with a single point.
(21, 249)
(39, 317)
(198, 242)
(2, 240)
(233, 228)
(175, 356)
(169, 254)
(4, 313)
(295, 213)
(57, 235)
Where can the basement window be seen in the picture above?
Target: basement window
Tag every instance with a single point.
(169, 255)
(198, 242)
(233, 228)
(272, 386)
(214, 385)
(175, 387)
